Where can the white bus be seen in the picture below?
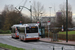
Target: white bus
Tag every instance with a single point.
(14, 31)
(29, 32)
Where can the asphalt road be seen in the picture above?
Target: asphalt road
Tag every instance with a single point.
(30, 45)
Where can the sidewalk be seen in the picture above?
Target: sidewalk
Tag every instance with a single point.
(58, 42)
(5, 34)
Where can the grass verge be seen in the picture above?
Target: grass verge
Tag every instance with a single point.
(10, 47)
(69, 32)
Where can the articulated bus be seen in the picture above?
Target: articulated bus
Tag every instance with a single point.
(29, 32)
(14, 31)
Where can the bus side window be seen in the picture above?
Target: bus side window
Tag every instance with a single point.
(10, 28)
(22, 30)
(14, 31)
(18, 29)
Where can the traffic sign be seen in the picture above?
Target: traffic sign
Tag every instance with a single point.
(49, 23)
(38, 23)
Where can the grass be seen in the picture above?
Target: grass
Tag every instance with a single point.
(5, 32)
(10, 47)
(69, 32)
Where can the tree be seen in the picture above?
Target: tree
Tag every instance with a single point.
(10, 17)
(61, 16)
(9, 8)
(37, 9)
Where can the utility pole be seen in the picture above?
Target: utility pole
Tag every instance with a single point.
(66, 20)
(41, 25)
(49, 24)
(28, 9)
(31, 11)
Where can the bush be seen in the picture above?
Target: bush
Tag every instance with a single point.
(50, 35)
(63, 37)
(5, 32)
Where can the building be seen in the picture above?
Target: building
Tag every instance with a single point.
(61, 18)
(63, 13)
(44, 20)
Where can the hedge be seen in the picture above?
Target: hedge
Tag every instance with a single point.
(62, 36)
(5, 32)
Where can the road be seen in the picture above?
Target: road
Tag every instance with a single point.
(30, 45)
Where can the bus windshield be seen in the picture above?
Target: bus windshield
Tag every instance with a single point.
(31, 29)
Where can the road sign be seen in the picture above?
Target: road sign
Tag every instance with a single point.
(49, 23)
(38, 23)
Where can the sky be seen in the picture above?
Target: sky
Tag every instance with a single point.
(47, 3)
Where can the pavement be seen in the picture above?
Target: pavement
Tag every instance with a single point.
(5, 34)
(49, 40)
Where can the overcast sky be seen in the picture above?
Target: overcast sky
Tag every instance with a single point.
(46, 3)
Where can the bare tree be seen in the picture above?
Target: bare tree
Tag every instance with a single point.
(9, 17)
(61, 18)
(37, 9)
(9, 8)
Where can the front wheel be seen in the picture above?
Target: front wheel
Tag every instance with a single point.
(20, 38)
(12, 37)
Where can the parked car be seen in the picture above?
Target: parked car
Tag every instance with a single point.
(74, 28)
(70, 29)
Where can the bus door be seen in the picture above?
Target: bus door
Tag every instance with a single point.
(13, 32)
(32, 32)
(17, 31)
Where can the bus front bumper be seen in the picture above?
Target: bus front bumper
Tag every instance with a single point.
(32, 38)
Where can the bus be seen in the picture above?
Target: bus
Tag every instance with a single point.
(29, 32)
(15, 31)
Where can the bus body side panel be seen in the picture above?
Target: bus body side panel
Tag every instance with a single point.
(14, 35)
(17, 36)
(21, 36)
(22, 33)
(32, 36)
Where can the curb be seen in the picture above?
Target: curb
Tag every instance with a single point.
(5, 34)
(58, 43)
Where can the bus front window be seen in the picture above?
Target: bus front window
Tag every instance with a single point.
(31, 29)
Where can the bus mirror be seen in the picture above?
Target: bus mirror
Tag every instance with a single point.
(18, 29)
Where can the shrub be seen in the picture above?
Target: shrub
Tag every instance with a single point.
(63, 37)
(50, 35)
(5, 32)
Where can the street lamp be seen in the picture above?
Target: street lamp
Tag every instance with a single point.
(28, 9)
(66, 20)
(41, 17)
(50, 11)
(31, 11)
(41, 14)
(41, 25)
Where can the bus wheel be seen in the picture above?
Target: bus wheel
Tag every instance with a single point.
(38, 40)
(12, 37)
(20, 38)
(23, 39)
